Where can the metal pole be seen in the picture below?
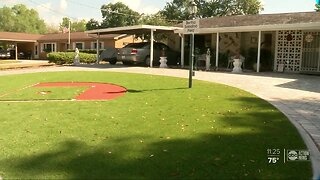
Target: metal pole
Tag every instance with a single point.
(182, 51)
(151, 49)
(217, 50)
(259, 52)
(191, 73)
(69, 35)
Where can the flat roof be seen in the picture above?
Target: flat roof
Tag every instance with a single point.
(138, 29)
(259, 22)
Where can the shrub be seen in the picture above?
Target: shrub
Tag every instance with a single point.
(68, 57)
(88, 51)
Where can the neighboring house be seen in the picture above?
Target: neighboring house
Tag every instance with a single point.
(39, 45)
(289, 40)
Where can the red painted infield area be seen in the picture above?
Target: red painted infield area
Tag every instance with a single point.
(96, 91)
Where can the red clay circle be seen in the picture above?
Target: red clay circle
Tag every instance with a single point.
(96, 91)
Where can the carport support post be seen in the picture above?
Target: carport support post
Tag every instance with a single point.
(259, 52)
(182, 50)
(151, 49)
(98, 61)
(217, 50)
(16, 51)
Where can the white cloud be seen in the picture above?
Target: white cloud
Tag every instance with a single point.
(45, 13)
(53, 20)
(43, 9)
(63, 5)
(9, 2)
(150, 10)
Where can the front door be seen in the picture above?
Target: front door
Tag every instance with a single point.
(311, 52)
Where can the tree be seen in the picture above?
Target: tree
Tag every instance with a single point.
(79, 26)
(176, 10)
(92, 24)
(155, 19)
(64, 23)
(52, 29)
(118, 15)
(179, 9)
(76, 26)
(21, 19)
(231, 7)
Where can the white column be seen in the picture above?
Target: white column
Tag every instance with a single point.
(182, 50)
(217, 50)
(259, 52)
(16, 46)
(151, 49)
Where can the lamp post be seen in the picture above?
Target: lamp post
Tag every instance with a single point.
(193, 11)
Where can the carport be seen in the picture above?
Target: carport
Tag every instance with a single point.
(22, 41)
(138, 29)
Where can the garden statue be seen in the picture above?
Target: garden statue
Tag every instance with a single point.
(163, 59)
(238, 59)
(76, 60)
(208, 57)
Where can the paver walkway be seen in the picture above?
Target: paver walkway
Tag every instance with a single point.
(297, 96)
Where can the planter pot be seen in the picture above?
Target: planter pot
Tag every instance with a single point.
(237, 66)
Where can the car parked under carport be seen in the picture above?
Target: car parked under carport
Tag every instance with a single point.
(135, 53)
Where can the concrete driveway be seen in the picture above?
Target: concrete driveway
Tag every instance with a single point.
(297, 96)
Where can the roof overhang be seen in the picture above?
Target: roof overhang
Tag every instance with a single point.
(18, 40)
(274, 27)
(138, 29)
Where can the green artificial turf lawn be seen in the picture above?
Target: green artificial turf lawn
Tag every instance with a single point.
(43, 93)
(158, 129)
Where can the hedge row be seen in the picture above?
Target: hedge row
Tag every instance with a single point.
(89, 51)
(68, 57)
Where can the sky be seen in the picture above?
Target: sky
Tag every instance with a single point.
(52, 11)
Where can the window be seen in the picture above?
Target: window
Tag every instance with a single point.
(79, 45)
(94, 45)
(48, 47)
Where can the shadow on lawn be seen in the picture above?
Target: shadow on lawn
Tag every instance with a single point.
(222, 154)
(206, 157)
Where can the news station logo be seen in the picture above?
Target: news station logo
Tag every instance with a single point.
(275, 155)
(298, 155)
